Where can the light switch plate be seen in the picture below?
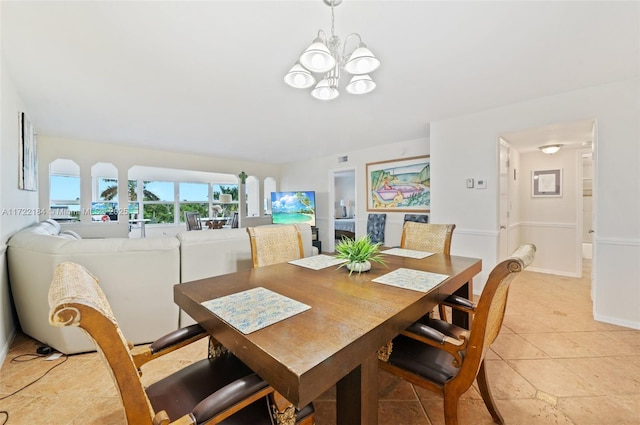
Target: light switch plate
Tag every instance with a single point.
(469, 183)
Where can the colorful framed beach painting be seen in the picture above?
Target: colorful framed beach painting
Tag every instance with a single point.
(399, 185)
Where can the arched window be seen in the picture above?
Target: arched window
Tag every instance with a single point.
(64, 190)
(104, 193)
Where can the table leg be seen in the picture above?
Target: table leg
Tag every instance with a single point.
(357, 395)
(460, 318)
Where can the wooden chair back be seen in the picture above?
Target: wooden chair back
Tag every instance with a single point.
(192, 219)
(75, 299)
(434, 238)
(275, 244)
(489, 313)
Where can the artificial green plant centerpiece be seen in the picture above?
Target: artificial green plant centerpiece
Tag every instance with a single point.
(359, 253)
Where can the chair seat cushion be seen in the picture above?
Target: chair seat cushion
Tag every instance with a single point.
(422, 359)
(180, 392)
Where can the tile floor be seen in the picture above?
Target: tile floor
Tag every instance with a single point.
(551, 364)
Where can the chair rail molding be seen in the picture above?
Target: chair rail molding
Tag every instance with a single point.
(616, 241)
(547, 224)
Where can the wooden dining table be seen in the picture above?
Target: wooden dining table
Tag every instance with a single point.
(335, 341)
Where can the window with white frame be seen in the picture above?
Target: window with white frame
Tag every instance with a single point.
(159, 201)
(194, 197)
(64, 190)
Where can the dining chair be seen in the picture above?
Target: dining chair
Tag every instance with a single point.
(217, 389)
(446, 359)
(418, 218)
(434, 238)
(375, 227)
(192, 219)
(275, 244)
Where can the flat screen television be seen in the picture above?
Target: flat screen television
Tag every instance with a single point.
(101, 209)
(293, 207)
(134, 208)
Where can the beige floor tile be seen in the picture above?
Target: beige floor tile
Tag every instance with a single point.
(24, 410)
(470, 412)
(559, 345)
(623, 410)
(610, 375)
(506, 383)
(394, 388)
(532, 412)
(514, 346)
(550, 376)
(400, 412)
(101, 411)
(423, 394)
(603, 344)
(627, 337)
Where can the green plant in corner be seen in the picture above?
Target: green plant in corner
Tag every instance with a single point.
(358, 252)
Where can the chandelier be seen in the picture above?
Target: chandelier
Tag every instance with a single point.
(326, 57)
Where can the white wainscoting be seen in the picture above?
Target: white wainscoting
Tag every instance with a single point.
(557, 248)
(616, 285)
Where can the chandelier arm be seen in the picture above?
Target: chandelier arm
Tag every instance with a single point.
(346, 40)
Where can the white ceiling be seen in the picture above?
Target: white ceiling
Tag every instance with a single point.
(207, 76)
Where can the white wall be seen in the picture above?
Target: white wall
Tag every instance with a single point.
(18, 207)
(315, 175)
(550, 223)
(467, 146)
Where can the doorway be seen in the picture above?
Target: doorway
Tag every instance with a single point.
(560, 227)
(342, 203)
(587, 205)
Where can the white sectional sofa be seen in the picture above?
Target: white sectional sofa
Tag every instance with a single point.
(136, 275)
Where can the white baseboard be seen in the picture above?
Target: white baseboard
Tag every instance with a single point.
(617, 321)
(554, 272)
(7, 345)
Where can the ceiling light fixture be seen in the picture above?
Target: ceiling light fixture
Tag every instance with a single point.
(325, 56)
(550, 149)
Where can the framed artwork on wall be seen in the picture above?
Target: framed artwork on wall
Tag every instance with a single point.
(399, 185)
(546, 183)
(28, 166)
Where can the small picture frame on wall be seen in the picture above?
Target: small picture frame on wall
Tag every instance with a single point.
(546, 183)
(28, 165)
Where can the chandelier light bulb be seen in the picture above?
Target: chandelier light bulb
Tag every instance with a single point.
(360, 84)
(324, 91)
(317, 57)
(299, 77)
(362, 61)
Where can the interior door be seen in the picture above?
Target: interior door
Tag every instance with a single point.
(503, 220)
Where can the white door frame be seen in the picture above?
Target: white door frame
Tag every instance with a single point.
(504, 200)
